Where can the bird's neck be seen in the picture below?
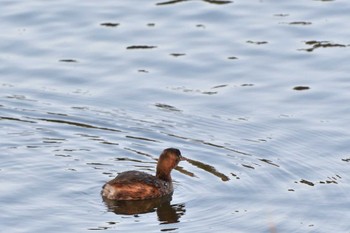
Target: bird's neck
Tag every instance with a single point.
(163, 175)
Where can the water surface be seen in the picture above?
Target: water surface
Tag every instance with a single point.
(254, 93)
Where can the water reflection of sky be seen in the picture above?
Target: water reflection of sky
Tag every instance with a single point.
(254, 93)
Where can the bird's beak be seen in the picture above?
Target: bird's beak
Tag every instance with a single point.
(183, 158)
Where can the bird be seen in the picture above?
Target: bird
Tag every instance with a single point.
(137, 185)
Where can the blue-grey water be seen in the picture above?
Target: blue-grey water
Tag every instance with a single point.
(255, 93)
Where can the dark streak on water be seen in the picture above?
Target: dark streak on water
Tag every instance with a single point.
(110, 24)
(218, 2)
(321, 44)
(141, 47)
(68, 60)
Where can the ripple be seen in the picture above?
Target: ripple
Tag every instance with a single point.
(141, 47)
(92, 89)
(78, 124)
(217, 2)
(141, 138)
(68, 60)
(300, 23)
(170, 2)
(301, 88)
(110, 24)
(321, 44)
(177, 54)
(16, 119)
(257, 42)
(167, 107)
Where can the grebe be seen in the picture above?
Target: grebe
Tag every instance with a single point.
(136, 185)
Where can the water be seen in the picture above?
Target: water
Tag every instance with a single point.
(254, 93)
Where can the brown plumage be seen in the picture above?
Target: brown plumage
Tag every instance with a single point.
(135, 185)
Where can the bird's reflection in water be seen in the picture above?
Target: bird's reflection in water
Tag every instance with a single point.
(167, 212)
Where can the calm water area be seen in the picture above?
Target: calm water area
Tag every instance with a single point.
(255, 93)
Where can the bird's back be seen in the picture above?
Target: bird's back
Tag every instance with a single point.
(135, 185)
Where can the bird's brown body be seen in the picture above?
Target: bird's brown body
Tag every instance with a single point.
(136, 185)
